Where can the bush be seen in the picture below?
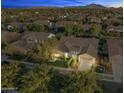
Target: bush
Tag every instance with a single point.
(18, 56)
(72, 62)
(106, 65)
(3, 45)
(35, 28)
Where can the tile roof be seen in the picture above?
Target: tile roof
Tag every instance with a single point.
(115, 47)
(9, 36)
(82, 45)
(30, 39)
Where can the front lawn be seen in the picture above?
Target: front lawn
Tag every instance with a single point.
(60, 63)
(70, 62)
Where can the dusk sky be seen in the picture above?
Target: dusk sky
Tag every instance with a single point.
(60, 3)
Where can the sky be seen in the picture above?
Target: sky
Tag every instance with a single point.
(58, 3)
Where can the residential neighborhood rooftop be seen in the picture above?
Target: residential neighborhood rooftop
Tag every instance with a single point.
(84, 45)
(115, 47)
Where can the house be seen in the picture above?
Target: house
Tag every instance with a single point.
(8, 37)
(115, 49)
(87, 27)
(115, 29)
(94, 19)
(52, 25)
(10, 27)
(30, 40)
(64, 23)
(84, 48)
(104, 18)
(36, 12)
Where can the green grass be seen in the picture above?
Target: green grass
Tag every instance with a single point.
(60, 63)
(65, 62)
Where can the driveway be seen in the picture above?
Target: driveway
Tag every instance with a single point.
(117, 71)
(85, 63)
(84, 66)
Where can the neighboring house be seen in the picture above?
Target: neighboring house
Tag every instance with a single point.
(95, 20)
(104, 18)
(64, 23)
(36, 12)
(29, 40)
(115, 29)
(52, 25)
(86, 27)
(115, 49)
(9, 36)
(9, 27)
(84, 48)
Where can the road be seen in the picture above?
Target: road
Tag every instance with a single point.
(112, 87)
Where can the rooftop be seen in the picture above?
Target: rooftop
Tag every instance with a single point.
(82, 45)
(115, 47)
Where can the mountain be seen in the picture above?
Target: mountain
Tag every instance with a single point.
(97, 6)
(94, 6)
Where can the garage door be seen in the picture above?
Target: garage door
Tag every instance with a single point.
(85, 64)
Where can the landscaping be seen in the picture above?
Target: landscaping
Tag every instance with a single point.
(66, 62)
(104, 65)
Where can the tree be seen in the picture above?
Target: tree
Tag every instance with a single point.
(77, 30)
(86, 20)
(116, 23)
(95, 30)
(58, 82)
(15, 29)
(35, 28)
(8, 19)
(35, 80)
(21, 18)
(69, 29)
(104, 25)
(75, 82)
(47, 48)
(38, 28)
(9, 74)
(9, 49)
(3, 45)
(82, 82)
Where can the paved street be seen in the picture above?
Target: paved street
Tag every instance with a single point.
(112, 87)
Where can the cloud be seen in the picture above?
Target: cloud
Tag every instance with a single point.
(117, 5)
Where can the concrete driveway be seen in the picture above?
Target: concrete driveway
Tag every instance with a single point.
(117, 72)
(84, 66)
